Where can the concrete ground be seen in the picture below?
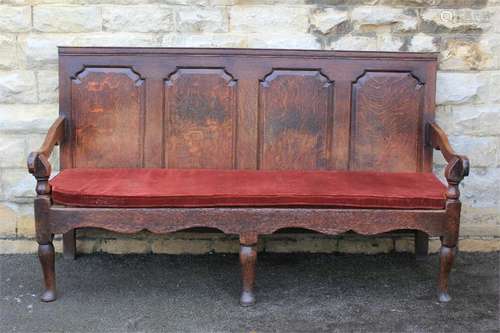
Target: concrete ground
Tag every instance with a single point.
(296, 293)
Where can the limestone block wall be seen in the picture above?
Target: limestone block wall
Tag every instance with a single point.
(466, 33)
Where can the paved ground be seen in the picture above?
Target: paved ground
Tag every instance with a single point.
(296, 293)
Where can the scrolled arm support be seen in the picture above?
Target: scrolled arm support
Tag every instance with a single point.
(458, 165)
(38, 161)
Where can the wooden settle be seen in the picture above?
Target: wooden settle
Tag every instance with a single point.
(246, 109)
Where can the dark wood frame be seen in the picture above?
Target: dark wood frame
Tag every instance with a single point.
(248, 222)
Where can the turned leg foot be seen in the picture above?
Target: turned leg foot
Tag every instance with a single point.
(247, 298)
(446, 258)
(47, 257)
(248, 258)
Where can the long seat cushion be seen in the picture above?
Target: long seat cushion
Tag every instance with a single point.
(239, 188)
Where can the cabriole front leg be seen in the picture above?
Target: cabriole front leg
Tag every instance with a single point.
(47, 260)
(248, 259)
(46, 252)
(448, 249)
(446, 258)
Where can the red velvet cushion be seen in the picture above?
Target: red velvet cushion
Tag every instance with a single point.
(238, 188)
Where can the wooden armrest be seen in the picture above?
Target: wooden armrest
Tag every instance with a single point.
(458, 165)
(38, 161)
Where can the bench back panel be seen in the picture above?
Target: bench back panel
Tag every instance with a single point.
(246, 109)
(201, 118)
(385, 121)
(295, 118)
(108, 117)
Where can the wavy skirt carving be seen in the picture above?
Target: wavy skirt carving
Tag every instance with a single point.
(248, 220)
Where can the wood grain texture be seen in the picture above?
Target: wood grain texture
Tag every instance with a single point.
(69, 244)
(281, 53)
(421, 245)
(46, 253)
(244, 221)
(108, 118)
(248, 259)
(248, 109)
(386, 123)
(261, 95)
(458, 165)
(55, 135)
(446, 259)
(276, 108)
(38, 161)
(295, 120)
(201, 115)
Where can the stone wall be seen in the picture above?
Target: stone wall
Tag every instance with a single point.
(465, 32)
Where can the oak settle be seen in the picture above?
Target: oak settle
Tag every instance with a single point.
(288, 115)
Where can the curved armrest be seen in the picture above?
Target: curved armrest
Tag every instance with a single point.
(38, 161)
(458, 165)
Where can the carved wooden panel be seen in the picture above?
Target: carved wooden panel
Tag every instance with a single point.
(295, 120)
(269, 109)
(108, 117)
(200, 109)
(386, 129)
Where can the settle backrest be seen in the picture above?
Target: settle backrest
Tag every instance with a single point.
(246, 109)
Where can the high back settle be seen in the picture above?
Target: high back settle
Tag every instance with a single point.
(246, 109)
(243, 141)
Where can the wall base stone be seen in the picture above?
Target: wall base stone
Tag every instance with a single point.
(191, 243)
(20, 246)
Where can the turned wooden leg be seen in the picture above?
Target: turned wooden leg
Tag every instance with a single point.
(46, 254)
(69, 244)
(421, 245)
(446, 258)
(248, 258)
(47, 257)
